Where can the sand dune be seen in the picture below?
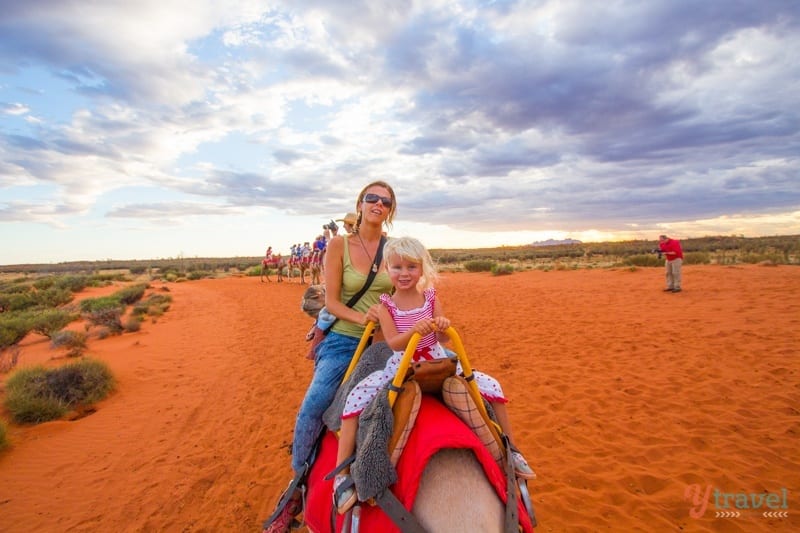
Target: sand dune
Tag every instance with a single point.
(624, 399)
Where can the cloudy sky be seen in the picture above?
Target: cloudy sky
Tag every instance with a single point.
(139, 129)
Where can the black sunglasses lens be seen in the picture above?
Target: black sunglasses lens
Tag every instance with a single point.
(373, 198)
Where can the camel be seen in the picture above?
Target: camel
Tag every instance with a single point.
(462, 487)
(454, 493)
(277, 262)
(300, 265)
(316, 273)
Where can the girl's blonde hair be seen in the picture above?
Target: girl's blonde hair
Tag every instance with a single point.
(412, 250)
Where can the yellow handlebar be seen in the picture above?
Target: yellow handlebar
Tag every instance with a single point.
(405, 363)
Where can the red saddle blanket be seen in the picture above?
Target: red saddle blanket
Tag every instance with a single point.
(436, 428)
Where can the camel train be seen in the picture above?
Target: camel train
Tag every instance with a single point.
(438, 472)
(302, 259)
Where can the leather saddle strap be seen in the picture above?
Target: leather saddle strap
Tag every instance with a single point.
(512, 512)
(399, 514)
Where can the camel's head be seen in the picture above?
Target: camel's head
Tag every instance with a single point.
(313, 300)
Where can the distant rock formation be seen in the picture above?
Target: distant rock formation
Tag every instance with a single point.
(555, 242)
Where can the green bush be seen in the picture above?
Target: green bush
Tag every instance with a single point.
(3, 438)
(53, 297)
(74, 340)
(13, 328)
(35, 394)
(644, 260)
(154, 305)
(130, 295)
(199, 274)
(754, 258)
(110, 318)
(17, 301)
(71, 283)
(696, 258)
(102, 303)
(49, 321)
(479, 265)
(502, 270)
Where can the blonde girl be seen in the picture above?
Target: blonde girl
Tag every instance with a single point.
(413, 307)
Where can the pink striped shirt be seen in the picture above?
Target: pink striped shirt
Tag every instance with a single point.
(404, 320)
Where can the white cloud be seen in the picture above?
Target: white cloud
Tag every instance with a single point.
(504, 119)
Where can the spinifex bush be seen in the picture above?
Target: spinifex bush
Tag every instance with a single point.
(35, 394)
(130, 295)
(502, 270)
(13, 328)
(479, 265)
(49, 321)
(75, 341)
(644, 260)
(153, 305)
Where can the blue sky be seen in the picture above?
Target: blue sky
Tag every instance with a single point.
(149, 129)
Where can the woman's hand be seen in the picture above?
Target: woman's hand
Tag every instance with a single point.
(372, 314)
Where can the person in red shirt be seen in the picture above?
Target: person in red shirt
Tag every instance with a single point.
(672, 249)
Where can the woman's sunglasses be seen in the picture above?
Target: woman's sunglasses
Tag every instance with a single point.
(372, 198)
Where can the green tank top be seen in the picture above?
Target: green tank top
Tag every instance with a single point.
(352, 281)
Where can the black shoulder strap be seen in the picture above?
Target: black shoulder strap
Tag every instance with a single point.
(373, 271)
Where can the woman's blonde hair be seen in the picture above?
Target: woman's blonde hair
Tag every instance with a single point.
(413, 250)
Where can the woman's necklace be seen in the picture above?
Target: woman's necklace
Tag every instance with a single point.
(371, 257)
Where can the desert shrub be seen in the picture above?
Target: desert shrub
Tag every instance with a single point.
(49, 321)
(503, 269)
(15, 285)
(74, 340)
(696, 258)
(154, 305)
(137, 270)
(71, 283)
(18, 301)
(133, 323)
(479, 265)
(3, 438)
(45, 283)
(130, 295)
(199, 274)
(254, 271)
(103, 302)
(36, 394)
(53, 297)
(754, 258)
(644, 260)
(109, 317)
(13, 328)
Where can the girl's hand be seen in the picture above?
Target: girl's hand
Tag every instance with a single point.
(441, 323)
(423, 327)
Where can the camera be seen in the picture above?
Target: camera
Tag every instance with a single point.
(331, 226)
(657, 251)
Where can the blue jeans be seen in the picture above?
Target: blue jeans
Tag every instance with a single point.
(333, 357)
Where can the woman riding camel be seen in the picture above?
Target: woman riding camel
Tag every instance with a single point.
(351, 261)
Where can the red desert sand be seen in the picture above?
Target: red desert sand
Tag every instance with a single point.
(640, 410)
